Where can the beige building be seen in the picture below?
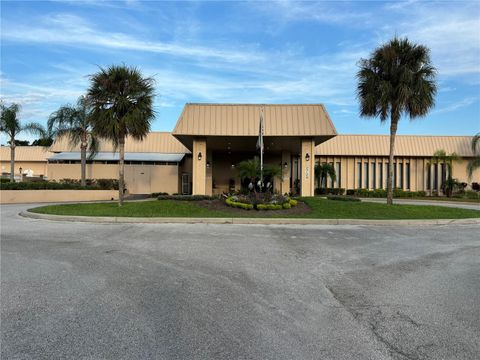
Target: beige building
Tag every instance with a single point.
(209, 140)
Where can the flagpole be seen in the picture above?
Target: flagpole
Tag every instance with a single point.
(261, 148)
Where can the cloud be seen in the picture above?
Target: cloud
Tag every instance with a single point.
(71, 30)
(458, 105)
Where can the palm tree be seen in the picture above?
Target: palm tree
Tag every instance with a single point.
(474, 163)
(324, 171)
(122, 105)
(74, 122)
(249, 169)
(441, 156)
(11, 126)
(398, 79)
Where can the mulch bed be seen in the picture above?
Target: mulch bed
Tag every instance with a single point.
(219, 205)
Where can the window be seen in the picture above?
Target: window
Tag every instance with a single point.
(400, 182)
(359, 175)
(387, 169)
(373, 175)
(380, 175)
(330, 179)
(435, 177)
(394, 175)
(429, 177)
(365, 176)
(407, 170)
(444, 174)
(338, 172)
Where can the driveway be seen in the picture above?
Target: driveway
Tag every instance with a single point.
(184, 291)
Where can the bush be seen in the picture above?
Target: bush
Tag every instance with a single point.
(293, 202)
(475, 186)
(240, 205)
(44, 186)
(470, 194)
(329, 191)
(186, 197)
(4, 180)
(342, 198)
(107, 184)
(287, 205)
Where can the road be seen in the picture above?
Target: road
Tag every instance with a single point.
(199, 291)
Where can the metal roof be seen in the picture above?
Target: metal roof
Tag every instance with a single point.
(155, 142)
(243, 120)
(109, 156)
(25, 153)
(405, 145)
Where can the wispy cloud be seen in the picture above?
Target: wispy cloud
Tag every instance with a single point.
(458, 105)
(71, 30)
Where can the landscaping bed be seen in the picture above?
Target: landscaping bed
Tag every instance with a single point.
(218, 205)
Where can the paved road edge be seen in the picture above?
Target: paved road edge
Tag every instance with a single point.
(262, 221)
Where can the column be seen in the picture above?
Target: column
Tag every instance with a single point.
(307, 184)
(199, 168)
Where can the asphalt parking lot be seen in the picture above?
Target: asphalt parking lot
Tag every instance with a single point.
(180, 291)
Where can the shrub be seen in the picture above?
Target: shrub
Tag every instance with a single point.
(469, 194)
(287, 205)
(329, 191)
(342, 198)
(236, 204)
(4, 180)
(186, 197)
(107, 184)
(293, 202)
(475, 186)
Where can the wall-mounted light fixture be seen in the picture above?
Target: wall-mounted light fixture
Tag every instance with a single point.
(307, 157)
(208, 164)
(285, 164)
(199, 156)
(20, 171)
(233, 166)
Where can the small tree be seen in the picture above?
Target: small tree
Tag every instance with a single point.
(74, 122)
(122, 106)
(11, 126)
(324, 171)
(398, 79)
(249, 169)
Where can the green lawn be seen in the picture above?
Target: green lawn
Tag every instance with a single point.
(321, 209)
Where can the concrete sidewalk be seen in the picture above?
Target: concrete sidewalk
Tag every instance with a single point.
(454, 204)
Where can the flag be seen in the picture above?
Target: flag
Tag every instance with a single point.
(260, 133)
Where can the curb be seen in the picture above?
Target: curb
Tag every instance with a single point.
(238, 221)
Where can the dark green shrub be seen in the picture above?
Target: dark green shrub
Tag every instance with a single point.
(186, 197)
(4, 180)
(342, 198)
(329, 191)
(287, 205)
(106, 184)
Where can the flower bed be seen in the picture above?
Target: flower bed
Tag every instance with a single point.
(260, 201)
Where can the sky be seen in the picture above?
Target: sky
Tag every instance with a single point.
(238, 52)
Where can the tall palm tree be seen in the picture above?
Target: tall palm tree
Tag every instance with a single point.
(474, 163)
(397, 80)
(324, 171)
(122, 105)
(74, 123)
(11, 126)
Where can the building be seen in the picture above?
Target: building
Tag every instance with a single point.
(209, 140)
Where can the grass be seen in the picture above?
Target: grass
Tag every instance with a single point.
(321, 209)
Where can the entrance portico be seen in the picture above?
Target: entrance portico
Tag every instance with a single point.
(220, 136)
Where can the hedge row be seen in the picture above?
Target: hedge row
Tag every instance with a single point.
(342, 198)
(380, 193)
(239, 205)
(100, 184)
(329, 191)
(185, 197)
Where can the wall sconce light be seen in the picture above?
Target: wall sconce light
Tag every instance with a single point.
(20, 171)
(208, 164)
(285, 164)
(233, 166)
(307, 157)
(199, 156)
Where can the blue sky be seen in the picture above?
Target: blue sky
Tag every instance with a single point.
(240, 52)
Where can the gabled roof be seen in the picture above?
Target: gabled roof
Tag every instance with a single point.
(25, 153)
(158, 142)
(309, 120)
(405, 145)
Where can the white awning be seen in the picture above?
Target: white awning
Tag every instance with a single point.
(108, 156)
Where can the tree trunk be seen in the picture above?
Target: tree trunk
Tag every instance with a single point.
(121, 171)
(393, 131)
(12, 160)
(83, 163)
